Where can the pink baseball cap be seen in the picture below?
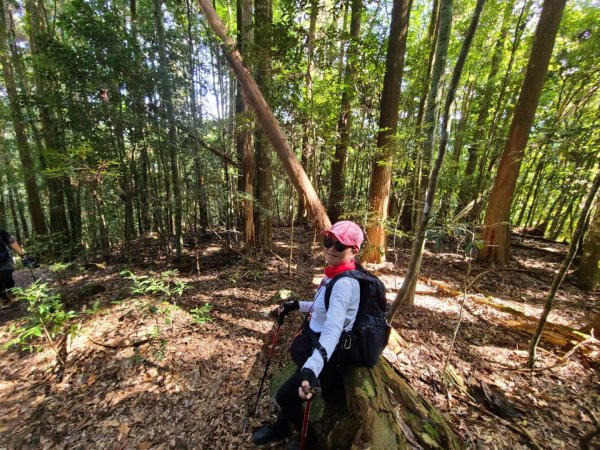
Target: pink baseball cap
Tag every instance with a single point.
(347, 232)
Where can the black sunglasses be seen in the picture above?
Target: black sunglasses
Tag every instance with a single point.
(329, 242)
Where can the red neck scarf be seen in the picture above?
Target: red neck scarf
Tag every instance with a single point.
(332, 271)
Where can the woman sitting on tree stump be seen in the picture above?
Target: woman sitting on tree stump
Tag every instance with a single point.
(313, 349)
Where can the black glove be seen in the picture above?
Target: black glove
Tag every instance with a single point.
(313, 381)
(29, 262)
(285, 308)
(290, 306)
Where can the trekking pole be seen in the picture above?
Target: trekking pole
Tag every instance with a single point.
(32, 275)
(280, 318)
(304, 433)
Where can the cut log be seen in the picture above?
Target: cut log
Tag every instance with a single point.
(377, 409)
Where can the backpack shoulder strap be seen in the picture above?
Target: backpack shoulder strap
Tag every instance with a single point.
(357, 275)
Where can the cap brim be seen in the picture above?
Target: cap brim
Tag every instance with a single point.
(331, 233)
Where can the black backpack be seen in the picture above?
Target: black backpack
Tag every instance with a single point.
(364, 344)
(4, 251)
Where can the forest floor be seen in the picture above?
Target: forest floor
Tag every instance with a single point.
(143, 373)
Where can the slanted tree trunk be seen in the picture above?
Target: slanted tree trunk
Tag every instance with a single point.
(588, 273)
(406, 293)
(410, 201)
(381, 175)
(466, 192)
(432, 104)
(268, 122)
(560, 275)
(338, 165)
(496, 232)
(308, 141)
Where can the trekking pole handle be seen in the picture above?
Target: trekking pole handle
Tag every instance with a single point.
(311, 390)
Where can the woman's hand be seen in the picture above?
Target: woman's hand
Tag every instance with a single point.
(309, 386)
(285, 308)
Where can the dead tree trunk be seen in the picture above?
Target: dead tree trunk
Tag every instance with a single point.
(376, 408)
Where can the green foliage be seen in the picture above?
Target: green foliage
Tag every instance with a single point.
(165, 284)
(201, 315)
(461, 235)
(47, 319)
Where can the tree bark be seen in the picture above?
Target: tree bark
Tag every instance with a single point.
(33, 196)
(166, 94)
(381, 172)
(308, 129)
(466, 193)
(406, 293)
(244, 138)
(338, 164)
(268, 122)
(588, 273)
(560, 275)
(45, 89)
(375, 408)
(496, 232)
(432, 104)
(263, 21)
(409, 209)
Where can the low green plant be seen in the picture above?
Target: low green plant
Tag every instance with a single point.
(201, 315)
(60, 270)
(92, 309)
(47, 319)
(165, 284)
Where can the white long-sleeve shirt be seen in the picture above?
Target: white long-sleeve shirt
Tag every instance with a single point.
(343, 307)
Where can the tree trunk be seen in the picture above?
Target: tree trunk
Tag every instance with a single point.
(560, 275)
(13, 213)
(432, 104)
(268, 122)
(409, 209)
(496, 232)
(33, 196)
(594, 326)
(588, 273)
(466, 193)
(45, 90)
(381, 174)
(375, 408)
(166, 94)
(308, 129)
(244, 138)
(406, 293)
(264, 177)
(488, 153)
(338, 164)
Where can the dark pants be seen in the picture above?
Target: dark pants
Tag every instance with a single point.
(6, 282)
(291, 404)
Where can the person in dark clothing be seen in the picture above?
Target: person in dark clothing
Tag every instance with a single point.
(7, 265)
(313, 349)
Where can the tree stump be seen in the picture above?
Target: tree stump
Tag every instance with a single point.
(376, 408)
